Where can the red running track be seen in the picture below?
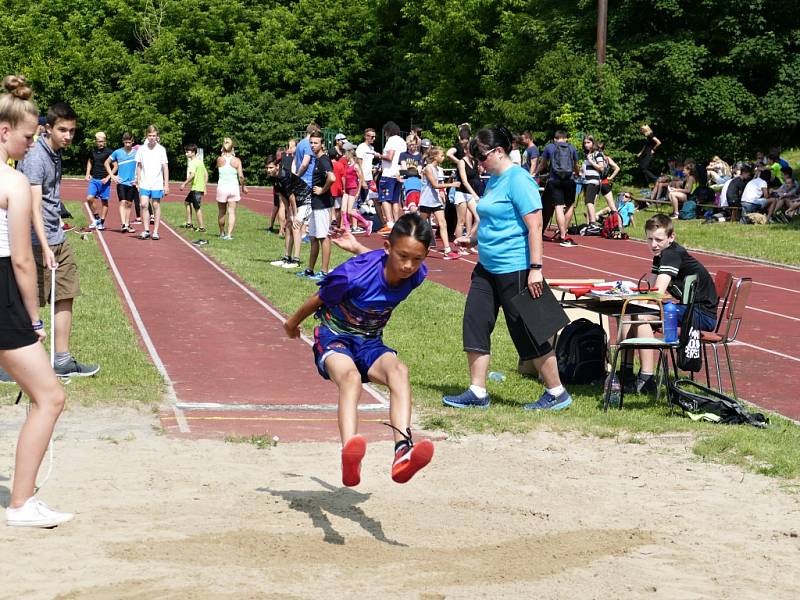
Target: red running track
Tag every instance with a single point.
(230, 368)
(765, 359)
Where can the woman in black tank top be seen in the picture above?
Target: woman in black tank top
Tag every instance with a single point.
(467, 196)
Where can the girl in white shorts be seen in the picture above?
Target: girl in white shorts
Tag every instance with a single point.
(231, 180)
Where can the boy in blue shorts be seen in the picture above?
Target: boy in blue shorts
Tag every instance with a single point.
(122, 166)
(152, 176)
(99, 181)
(353, 305)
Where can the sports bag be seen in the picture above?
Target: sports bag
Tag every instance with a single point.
(689, 350)
(612, 228)
(688, 210)
(563, 165)
(704, 403)
(581, 352)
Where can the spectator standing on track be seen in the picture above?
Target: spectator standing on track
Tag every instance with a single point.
(365, 156)
(197, 175)
(511, 259)
(321, 203)
(229, 185)
(431, 197)
(42, 167)
(21, 329)
(562, 160)
(152, 177)
(99, 178)
(389, 188)
(122, 166)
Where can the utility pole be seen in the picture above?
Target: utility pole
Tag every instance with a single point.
(602, 30)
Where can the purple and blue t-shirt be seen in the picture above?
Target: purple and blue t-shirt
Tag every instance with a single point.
(358, 300)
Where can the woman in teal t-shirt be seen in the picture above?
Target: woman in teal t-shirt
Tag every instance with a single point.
(510, 247)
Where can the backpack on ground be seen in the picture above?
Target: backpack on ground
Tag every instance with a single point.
(563, 164)
(702, 403)
(688, 210)
(612, 228)
(581, 352)
(592, 229)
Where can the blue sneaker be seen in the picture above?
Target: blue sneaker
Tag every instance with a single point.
(318, 276)
(305, 273)
(466, 399)
(549, 402)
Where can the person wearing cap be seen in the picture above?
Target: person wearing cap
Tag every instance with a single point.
(338, 144)
(424, 147)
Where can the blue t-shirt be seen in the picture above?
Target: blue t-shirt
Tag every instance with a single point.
(528, 156)
(358, 300)
(412, 184)
(502, 234)
(303, 149)
(126, 170)
(549, 152)
(626, 210)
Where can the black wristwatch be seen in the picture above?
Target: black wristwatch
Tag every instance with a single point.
(536, 266)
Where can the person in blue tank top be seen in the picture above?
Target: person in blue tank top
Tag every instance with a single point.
(510, 246)
(354, 304)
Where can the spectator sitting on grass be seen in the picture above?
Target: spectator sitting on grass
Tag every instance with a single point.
(718, 171)
(756, 192)
(678, 194)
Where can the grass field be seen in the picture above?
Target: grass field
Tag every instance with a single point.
(102, 333)
(431, 346)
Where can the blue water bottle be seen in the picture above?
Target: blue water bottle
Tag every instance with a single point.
(670, 323)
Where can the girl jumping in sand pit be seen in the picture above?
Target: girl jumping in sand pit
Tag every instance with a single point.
(354, 304)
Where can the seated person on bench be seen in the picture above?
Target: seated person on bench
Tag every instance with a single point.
(678, 194)
(756, 192)
(672, 264)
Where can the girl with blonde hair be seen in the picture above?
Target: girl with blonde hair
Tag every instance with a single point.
(21, 329)
(230, 182)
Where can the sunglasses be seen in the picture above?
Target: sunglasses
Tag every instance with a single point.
(482, 156)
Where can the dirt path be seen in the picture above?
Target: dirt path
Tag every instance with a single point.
(545, 515)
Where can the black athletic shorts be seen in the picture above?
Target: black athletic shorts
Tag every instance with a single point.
(16, 330)
(194, 198)
(561, 191)
(591, 189)
(487, 293)
(127, 192)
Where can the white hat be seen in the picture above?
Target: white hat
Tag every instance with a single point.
(340, 136)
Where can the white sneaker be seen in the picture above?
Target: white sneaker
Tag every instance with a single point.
(35, 513)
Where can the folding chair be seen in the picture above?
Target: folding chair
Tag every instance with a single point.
(728, 329)
(641, 343)
(723, 284)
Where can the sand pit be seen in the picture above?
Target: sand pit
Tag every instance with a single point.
(545, 515)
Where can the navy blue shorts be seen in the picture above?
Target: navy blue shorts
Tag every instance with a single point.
(363, 350)
(701, 320)
(389, 190)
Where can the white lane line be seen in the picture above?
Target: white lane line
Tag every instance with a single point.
(739, 343)
(368, 388)
(172, 397)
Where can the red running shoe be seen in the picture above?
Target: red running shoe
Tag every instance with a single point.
(352, 453)
(410, 459)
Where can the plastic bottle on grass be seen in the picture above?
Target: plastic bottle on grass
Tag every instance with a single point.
(670, 323)
(615, 393)
(496, 376)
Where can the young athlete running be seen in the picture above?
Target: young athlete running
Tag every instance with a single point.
(354, 304)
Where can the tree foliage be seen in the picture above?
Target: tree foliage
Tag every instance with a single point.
(711, 77)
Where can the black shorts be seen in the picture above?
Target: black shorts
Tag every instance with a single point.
(194, 198)
(561, 191)
(15, 322)
(487, 293)
(429, 210)
(591, 189)
(127, 192)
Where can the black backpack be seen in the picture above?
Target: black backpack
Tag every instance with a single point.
(581, 352)
(563, 165)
